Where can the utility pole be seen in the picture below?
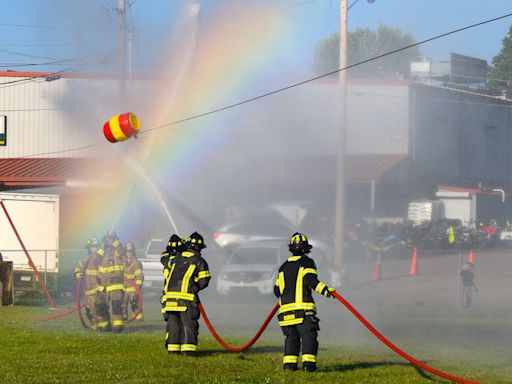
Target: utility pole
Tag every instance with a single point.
(339, 233)
(121, 12)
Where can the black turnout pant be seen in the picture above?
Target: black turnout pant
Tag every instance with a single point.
(305, 333)
(183, 327)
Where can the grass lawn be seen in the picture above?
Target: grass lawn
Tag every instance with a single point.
(61, 351)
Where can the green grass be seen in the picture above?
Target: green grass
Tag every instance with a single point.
(61, 351)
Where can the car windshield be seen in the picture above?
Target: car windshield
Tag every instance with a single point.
(156, 247)
(255, 256)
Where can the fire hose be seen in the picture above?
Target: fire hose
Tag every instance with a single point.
(250, 342)
(383, 339)
(79, 306)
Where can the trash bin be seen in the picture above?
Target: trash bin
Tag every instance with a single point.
(6, 283)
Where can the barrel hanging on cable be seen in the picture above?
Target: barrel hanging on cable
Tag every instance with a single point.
(121, 127)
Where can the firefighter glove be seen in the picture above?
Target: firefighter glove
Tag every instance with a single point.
(328, 292)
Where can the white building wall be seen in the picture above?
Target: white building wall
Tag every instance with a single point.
(55, 118)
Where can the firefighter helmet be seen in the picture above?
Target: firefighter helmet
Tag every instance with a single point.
(299, 243)
(175, 245)
(92, 242)
(196, 241)
(130, 248)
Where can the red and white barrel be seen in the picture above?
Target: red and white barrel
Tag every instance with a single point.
(121, 127)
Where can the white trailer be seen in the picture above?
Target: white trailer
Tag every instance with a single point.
(36, 218)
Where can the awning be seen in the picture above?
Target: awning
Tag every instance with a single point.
(367, 168)
(38, 172)
(314, 169)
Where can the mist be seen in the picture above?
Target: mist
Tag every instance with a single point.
(273, 159)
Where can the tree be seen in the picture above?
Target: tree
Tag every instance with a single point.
(502, 66)
(364, 44)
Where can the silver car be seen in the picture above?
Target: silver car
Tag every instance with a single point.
(152, 268)
(256, 264)
(238, 233)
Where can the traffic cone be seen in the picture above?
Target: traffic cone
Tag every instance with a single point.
(377, 273)
(414, 262)
(471, 256)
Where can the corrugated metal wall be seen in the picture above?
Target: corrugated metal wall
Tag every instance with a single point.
(40, 116)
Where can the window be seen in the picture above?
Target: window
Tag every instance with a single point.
(3, 130)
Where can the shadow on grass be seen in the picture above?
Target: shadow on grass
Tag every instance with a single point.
(366, 365)
(250, 351)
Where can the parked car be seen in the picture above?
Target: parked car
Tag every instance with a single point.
(255, 265)
(390, 247)
(235, 234)
(152, 268)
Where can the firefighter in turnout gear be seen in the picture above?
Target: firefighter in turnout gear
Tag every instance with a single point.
(111, 286)
(297, 311)
(88, 266)
(188, 274)
(132, 275)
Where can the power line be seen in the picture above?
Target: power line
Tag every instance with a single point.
(246, 101)
(328, 74)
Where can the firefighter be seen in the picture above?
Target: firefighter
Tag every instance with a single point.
(188, 274)
(297, 311)
(111, 286)
(89, 267)
(133, 274)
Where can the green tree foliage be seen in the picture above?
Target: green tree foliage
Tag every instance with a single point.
(502, 66)
(363, 44)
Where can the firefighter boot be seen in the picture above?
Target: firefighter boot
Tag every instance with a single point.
(290, 366)
(309, 367)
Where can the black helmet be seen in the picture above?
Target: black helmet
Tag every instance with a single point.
(299, 244)
(196, 242)
(175, 245)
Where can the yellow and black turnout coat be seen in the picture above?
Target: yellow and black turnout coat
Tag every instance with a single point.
(296, 279)
(185, 275)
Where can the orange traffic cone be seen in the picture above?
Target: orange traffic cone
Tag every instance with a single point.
(377, 273)
(471, 256)
(414, 262)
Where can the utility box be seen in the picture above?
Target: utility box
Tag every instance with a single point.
(6, 283)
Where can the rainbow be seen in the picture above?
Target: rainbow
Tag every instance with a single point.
(233, 46)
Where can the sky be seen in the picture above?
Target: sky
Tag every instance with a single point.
(83, 35)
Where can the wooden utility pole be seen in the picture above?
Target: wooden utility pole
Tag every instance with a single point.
(121, 10)
(339, 233)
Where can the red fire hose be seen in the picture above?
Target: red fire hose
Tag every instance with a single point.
(388, 343)
(397, 350)
(250, 342)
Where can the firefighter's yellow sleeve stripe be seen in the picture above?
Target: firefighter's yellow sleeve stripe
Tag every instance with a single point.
(204, 274)
(320, 287)
(309, 270)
